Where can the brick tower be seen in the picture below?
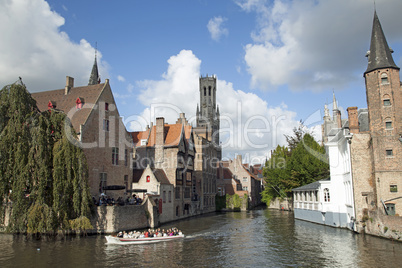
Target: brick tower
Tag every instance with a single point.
(384, 102)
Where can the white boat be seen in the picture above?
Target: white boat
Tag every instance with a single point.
(120, 240)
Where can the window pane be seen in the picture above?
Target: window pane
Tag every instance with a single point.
(387, 103)
(388, 125)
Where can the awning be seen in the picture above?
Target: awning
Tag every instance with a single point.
(114, 187)
(137, 191)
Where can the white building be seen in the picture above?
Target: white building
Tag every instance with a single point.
(330, 201)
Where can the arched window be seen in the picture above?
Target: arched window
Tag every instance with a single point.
(386, 100)
(327, 197)
(384, 79)
(148, 178)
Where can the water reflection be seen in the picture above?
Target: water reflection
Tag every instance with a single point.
(262, 238)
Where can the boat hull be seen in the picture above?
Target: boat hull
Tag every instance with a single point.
(118, 240)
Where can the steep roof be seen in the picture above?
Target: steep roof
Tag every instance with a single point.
(161, 176)
(67, 103)
(138, 136)
(379, 55)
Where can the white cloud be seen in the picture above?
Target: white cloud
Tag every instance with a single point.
(314, 45)
(250, 125)
(216, 29)
(121, 78)
(33, 47)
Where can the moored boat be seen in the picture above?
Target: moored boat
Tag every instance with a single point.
(120, 240)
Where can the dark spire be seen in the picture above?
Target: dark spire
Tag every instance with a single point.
(379, 55)
(94, 77)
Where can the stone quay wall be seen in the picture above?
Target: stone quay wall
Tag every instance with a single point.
(112, 219)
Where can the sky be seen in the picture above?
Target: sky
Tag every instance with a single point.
(277, 62)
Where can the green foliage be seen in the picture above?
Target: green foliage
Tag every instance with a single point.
(235, 201)
(308, 162)
(277, 176)
(42, 174)
(220, 202)
(81, 225)
(288, 169)
(41, 219)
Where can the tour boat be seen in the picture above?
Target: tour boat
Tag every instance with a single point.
(120, 240)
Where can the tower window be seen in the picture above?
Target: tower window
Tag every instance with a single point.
(384, 79)
(387, 102)
(388, 125)
(205, 91)
(389, 152)
(209, 91)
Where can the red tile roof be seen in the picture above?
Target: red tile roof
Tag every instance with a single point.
(172, 135)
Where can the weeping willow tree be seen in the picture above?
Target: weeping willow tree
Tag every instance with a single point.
(43, 176)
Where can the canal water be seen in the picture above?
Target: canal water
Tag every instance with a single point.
(259, 238)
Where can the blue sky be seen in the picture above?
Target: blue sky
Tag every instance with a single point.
(276, 61)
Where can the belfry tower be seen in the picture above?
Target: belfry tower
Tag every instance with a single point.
(208, 112)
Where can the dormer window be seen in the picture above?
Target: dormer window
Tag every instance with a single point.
(79, 103)
(384, 79)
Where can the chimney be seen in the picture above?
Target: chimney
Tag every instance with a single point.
(69, 84)
(159, 141)
(353, 120)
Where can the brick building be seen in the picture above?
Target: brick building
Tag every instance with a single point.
(377, 153)
(107, 145)
(169, 148)
(234, 177)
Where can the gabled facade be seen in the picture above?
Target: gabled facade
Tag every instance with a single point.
(244, 182)
(101, 132)
(170, 147)
(155, 182)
